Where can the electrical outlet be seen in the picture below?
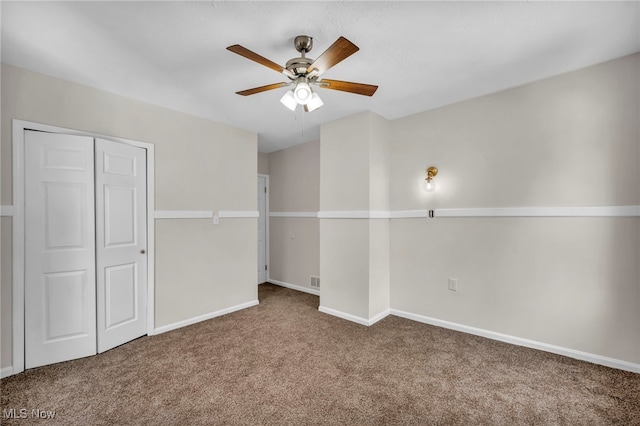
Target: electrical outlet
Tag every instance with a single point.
(453, 284)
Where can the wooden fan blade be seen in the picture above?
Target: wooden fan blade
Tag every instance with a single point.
(347, 86)
(243, 51)
(340, 50)
(261, 89)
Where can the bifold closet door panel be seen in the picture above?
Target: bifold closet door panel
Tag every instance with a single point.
(121, 241)
(60, 308)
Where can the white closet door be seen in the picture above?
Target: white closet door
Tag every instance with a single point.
(60, 310)
(121, 239)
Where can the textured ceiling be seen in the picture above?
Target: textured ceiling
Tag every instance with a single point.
(423, 55)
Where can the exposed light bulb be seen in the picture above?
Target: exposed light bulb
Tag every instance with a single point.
(428, 185)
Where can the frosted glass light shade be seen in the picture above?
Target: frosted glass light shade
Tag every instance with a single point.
(302, 93)
(289, 101)
(314, 103)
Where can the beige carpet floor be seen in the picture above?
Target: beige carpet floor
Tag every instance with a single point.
(283, 362)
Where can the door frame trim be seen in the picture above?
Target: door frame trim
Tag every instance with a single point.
(266, 237)
(18, 301)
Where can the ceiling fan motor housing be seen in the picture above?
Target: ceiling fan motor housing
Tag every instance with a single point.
(299, 66)
(303, 43)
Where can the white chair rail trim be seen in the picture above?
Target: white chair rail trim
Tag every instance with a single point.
(294, 214)
(579, 211)
(204, 214)
(575, 211)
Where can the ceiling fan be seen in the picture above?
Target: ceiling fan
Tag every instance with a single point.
(305, 72)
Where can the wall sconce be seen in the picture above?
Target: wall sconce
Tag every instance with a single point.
(428, 185)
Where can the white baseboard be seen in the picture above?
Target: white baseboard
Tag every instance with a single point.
(343, 315)
(295, 287)
(571, 353)
(204, 317)
(354, 318)
(6, 372)
(380, 316)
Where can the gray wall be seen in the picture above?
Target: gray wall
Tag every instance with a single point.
(354, 252)
(571, 140)
(572, 282)
(199, 165)
(294, 244)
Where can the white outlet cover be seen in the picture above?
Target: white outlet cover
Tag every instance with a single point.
(453, 284)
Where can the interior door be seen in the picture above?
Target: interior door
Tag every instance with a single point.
(60, 310)
(262, 229)
(121, 239)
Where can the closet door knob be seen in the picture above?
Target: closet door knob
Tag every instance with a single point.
(142, 251)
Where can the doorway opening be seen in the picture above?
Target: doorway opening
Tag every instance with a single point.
(263, 228)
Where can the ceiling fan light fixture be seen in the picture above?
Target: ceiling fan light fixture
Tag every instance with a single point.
(314, 103)
(289, 100)
(303, 71)
(302, 93)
